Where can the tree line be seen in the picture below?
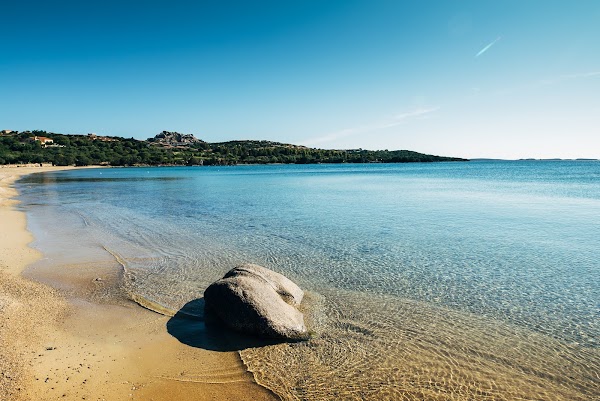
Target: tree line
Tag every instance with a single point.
(81, 150)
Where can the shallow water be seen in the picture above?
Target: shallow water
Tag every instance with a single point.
(470, 280)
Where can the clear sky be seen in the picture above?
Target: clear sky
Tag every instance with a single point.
(506, 79)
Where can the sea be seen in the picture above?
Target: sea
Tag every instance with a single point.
(471, 280)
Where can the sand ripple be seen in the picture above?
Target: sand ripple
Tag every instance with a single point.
(385, 348)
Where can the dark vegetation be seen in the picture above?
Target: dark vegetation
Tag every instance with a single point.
(174, 149)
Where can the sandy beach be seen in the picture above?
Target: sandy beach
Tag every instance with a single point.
(57, 345)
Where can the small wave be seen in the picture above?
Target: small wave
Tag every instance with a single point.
(128, 278)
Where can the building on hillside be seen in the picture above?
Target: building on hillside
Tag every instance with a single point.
(42, 140)
(6, 132)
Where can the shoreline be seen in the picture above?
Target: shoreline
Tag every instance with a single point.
(59, 345)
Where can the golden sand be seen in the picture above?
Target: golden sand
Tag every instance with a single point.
(55, 345)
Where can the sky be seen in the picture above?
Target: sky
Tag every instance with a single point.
(476, 79)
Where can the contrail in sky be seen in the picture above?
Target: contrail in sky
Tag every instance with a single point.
(487, 47)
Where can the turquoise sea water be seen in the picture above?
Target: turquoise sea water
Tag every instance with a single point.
(476, 280)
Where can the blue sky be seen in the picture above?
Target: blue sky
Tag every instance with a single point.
(505, 79)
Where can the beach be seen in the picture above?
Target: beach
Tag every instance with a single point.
(58, 343)
(401, 307)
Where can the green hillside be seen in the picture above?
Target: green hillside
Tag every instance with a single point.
(170, 148)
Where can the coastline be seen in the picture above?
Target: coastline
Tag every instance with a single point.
(57, 345)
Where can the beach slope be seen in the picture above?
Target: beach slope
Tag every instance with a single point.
(56, 345)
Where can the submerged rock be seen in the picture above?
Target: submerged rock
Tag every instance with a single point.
(255, 300)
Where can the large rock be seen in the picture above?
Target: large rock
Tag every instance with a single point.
(255, 300)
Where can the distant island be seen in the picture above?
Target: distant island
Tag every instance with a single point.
(173, 148)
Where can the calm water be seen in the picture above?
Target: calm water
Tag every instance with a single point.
(474, 280)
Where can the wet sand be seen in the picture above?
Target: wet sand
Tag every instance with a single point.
(60, 344)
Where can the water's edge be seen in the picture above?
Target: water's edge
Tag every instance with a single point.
(426, 324)
(124, 277)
